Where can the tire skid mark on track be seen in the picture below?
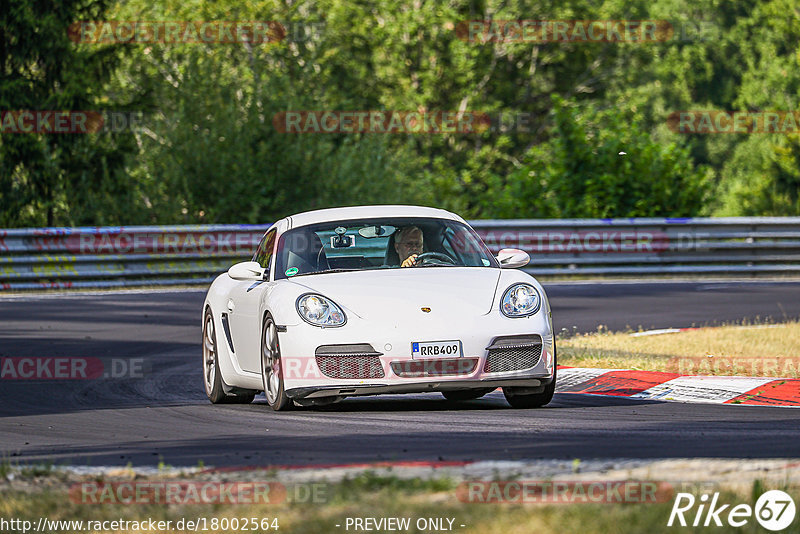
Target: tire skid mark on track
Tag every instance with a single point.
(165, 415)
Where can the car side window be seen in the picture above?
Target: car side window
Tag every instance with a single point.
(264, 251)
(457, 244)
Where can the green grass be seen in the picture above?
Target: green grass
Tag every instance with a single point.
(369, 481)
(372, 495)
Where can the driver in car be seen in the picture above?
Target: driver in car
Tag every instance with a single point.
(408, 245)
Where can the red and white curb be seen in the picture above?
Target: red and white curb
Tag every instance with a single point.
(653, 385)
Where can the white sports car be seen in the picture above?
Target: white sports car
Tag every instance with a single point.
(377, 299)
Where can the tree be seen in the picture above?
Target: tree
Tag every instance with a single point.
(56, 178)
(600, 163)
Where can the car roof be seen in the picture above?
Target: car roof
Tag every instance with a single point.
(368, 212)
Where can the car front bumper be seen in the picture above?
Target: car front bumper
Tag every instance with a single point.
(389, 347)
(315, 392)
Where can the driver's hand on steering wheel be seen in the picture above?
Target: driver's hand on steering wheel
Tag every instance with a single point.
(410, 261)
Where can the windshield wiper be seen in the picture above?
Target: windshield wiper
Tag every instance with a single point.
(334, 271)
(325, 271)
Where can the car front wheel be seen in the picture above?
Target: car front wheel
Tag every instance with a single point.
(533, 400)
(271, 368)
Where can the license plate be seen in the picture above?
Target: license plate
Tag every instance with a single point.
(436, 349)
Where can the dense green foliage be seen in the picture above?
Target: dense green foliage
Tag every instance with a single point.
(209, 152)
(598, 164)
(46, 179)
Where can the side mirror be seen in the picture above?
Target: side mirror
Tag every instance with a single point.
(247, 270)
(511, 258)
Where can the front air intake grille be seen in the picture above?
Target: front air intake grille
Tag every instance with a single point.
(349, 361)
(513, 353)
(350, 366)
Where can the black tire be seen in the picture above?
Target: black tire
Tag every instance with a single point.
(466, 394)
(276, 394)
(534, 400)
(212, 377)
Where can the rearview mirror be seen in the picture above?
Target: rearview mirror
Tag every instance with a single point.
(247, 270)
(376, 231)
(511, 258)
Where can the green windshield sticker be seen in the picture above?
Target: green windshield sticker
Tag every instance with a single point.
(291, 271)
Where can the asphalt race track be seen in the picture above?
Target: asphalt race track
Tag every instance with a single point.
(164, 415)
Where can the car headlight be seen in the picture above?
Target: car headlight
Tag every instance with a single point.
(320, 311)
(520, 300)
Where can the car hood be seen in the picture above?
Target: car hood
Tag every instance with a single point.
(460, 290)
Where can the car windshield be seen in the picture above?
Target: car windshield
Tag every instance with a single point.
(379, 244)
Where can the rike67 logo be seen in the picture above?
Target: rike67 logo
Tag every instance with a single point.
(774, 510)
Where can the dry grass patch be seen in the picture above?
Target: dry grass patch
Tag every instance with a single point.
(740, 350)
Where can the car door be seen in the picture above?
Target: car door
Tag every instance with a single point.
(243, 309)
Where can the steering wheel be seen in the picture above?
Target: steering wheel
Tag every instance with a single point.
(435, 256)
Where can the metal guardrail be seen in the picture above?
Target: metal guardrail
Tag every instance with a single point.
(42, 258)
(121, 256)
(741, 246)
